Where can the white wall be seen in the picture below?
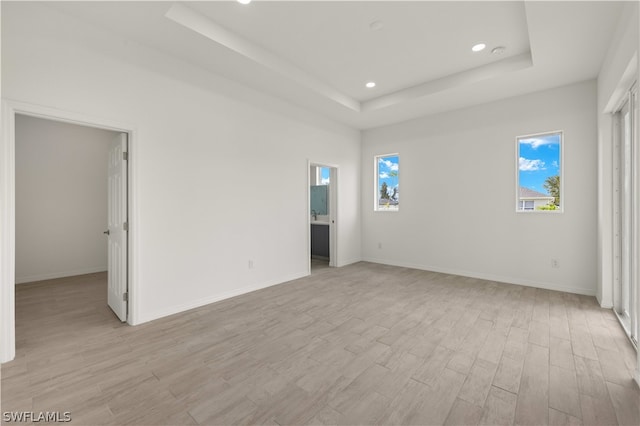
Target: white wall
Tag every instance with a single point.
(612, 82)
(61, 199)
(457, 173)
(220, 170)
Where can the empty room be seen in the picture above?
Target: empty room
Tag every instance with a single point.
(201, 218)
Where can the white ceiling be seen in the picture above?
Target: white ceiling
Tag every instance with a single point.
(320, 54)
(419, 41)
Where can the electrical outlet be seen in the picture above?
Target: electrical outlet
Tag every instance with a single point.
(555, 263)
(250, 264)
(379, 245)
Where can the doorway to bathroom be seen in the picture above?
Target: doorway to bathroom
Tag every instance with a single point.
(322, 213)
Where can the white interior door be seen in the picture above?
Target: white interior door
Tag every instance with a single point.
(117, 226)
(333, 214)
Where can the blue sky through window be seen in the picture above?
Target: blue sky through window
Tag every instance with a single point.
(324, 175)
(538, 158)
(388, 173)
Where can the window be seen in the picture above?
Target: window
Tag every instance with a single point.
(324, 176)
(539, 162)
(526, 205)
(387, 194)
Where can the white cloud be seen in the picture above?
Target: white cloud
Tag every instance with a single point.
(390, 165)
(536, 143)
(527, 165)
(384, 175)
(324, 181)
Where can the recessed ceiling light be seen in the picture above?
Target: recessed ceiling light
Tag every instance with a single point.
(244, 1)
(478, 47)
(376, 25)
(371, 84)
(498, 50)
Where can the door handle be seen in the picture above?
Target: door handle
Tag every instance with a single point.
(106, 232)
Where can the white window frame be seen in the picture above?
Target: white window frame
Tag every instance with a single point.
(376, 188)
(523, 205)
(517, 164)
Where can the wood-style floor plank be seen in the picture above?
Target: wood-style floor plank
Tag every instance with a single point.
(362, 344)
(500, 408)
(563, 391)
(533, 395)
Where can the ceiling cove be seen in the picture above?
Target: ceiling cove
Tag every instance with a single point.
(205, 26)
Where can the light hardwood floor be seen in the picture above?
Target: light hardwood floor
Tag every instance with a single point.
(318, 265)
(363, 344)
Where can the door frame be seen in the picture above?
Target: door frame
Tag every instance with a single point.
(626, 97)
(333, 211)
(7, 209)
(621, 209)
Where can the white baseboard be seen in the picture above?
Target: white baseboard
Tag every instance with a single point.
(605, 304)
(342, 263)
(483, 276)
(142, 318)
(54, 275)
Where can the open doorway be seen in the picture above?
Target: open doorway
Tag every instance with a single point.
(70, 206)
(44, 232)
(61, 199)
(322, 209)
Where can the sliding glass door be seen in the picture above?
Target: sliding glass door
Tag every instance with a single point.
(626, 214)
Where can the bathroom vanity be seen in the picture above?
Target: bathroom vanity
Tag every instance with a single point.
(320, 240)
